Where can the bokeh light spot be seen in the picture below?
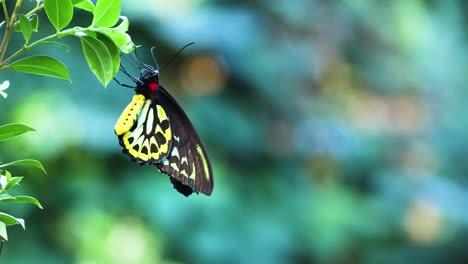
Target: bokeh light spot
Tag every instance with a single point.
(203, 75)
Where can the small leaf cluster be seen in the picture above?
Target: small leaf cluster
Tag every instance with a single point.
(102, 41)
(7, 181)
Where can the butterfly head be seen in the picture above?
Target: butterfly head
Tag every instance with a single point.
(148, 83)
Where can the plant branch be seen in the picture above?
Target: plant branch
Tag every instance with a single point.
(9, 29)
(60, 34)
(35, 9)
(5, 11)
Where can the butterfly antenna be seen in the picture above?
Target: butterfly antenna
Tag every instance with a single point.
(137, 59)
(154, 57)
(133, 78)
(175, 56)
(132, 62)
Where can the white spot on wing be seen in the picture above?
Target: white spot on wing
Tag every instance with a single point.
(174, 166)
(175, 152)
(149, 121)
(142, 115)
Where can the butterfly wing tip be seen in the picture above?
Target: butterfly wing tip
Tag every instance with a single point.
(208, 193)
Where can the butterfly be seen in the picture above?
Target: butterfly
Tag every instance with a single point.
(153, 129)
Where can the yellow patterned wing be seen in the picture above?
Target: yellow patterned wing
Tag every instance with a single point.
(144, 131)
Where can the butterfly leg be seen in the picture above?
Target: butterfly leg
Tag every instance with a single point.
(133, 78)
(123, 84)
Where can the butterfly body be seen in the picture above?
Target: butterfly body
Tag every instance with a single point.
(153, 129)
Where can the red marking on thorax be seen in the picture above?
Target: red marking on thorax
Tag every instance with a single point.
(153, 86)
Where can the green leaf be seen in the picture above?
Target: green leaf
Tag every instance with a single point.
(74, 2)
(4, 197)
(41, 65)
(25, 199)
(14, 181)
(57, 44)
(118, 35)
(24, 162)
(8, 176)
(99, 59)
(86, 5)
(34, 21)
(113, 51)
(10, 131)
(26, 27)
(107, 13)
(59, 12)
(11, 220)
(3, 231)
(121, 39)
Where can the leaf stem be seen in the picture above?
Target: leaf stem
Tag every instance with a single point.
(60, 34)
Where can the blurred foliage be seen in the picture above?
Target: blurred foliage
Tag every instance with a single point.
(108, 42)
(7, 180)
(334, 129)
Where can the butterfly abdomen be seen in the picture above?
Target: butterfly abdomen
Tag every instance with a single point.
(129, 116)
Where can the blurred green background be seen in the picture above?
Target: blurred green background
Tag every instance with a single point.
(335, 130)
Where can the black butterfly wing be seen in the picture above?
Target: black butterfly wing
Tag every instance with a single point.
(188, 162)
